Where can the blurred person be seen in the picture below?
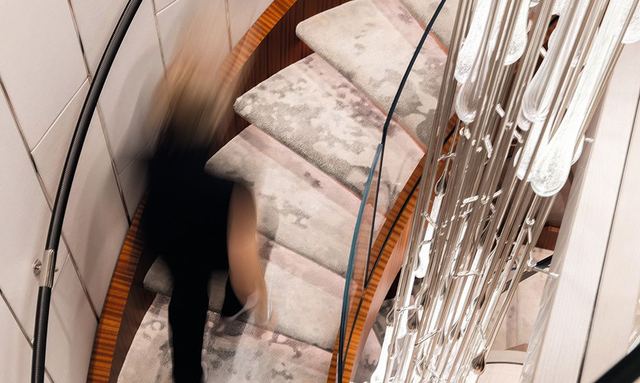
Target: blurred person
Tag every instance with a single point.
(195, 221)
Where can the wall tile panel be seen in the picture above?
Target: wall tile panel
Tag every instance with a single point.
(15, 353)
(25, 217)
(127, 92)
(172, 19)
(51, 151)
(41, 61)
(96, 21)
(72, 327)
(243, 14)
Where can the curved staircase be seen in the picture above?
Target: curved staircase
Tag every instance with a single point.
(315, 128)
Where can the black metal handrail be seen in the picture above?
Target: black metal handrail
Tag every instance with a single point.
(64, 190)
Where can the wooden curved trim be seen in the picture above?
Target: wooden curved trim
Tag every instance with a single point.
(267, 47)
(113, 310)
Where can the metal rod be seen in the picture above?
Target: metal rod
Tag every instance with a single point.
(64, 190)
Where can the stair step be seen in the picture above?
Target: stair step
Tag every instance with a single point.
(299, 290)
(316, 112)
(299, 206)
(233, 352)
(423, 11)
(363, 41)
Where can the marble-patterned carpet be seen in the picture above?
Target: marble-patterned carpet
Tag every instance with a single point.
(299, 206)
(299, 289)
(233, 352)
(374, 52)
(319, 114)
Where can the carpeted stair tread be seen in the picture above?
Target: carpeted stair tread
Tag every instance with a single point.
(298, 205)
(304, 310)
(423, 11)
(363, 41)
(233, 352)
(306, 298)
(315, 111)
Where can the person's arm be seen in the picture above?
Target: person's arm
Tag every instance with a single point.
(245, 266)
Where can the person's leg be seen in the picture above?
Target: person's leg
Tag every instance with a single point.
(246, 274)
(232, 304)
(187, 316)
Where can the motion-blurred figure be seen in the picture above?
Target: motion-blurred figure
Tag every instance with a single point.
(198, 222)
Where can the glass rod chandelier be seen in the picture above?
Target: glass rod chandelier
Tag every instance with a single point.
(523, 100)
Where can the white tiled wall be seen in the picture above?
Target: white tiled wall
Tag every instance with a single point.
(127, 92)
(71, 328)
(171, 19)
(15, 362)
(162, 4)
(42, 53)
(51, 151)
(48, 53)
(95, 21)
(25, 215)
(96, 221)
(132, 180)
(243, 14)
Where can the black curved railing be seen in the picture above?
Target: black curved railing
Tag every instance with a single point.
(64, 190)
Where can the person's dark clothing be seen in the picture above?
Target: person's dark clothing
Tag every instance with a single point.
(185, 223)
